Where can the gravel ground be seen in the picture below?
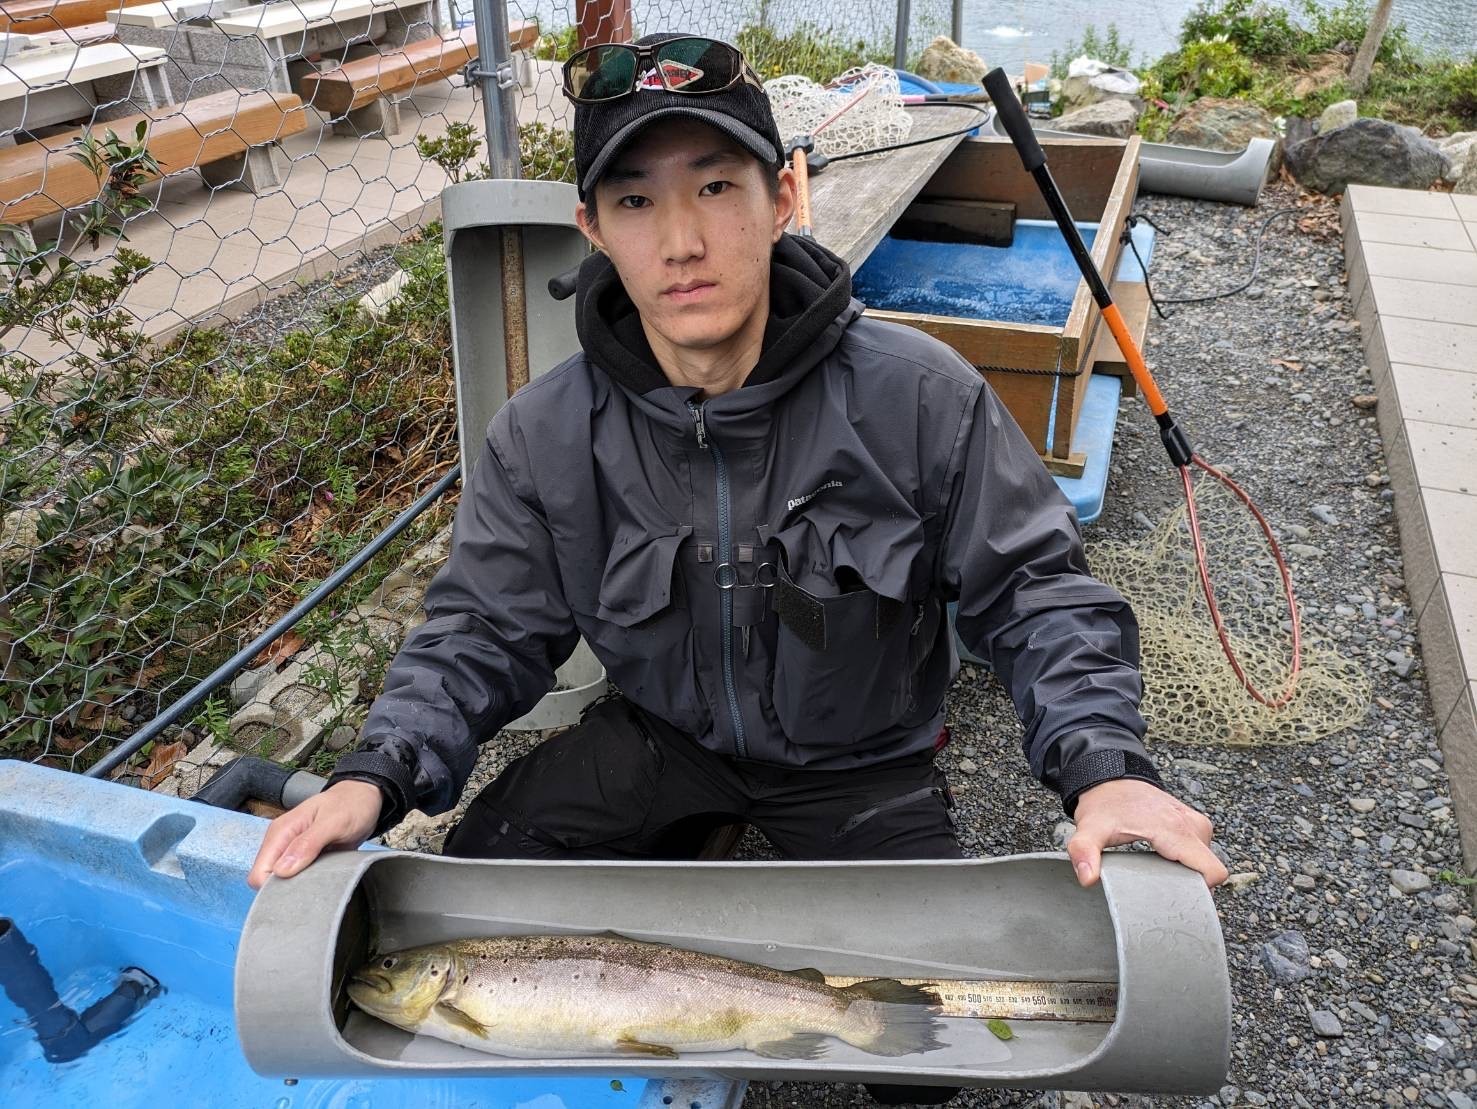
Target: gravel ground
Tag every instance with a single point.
(1352, 961)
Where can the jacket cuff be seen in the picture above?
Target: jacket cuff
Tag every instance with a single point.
(395, 780)
(1103, 765)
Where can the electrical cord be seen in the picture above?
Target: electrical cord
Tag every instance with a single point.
(1256, 262)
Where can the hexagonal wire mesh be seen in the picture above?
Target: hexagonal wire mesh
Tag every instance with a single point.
(203, 414)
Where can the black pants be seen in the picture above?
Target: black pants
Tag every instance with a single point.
(622, 784)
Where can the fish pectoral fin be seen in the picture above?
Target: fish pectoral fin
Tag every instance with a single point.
(452, 1015)
(641, 1047)
(810, 974)
(802, 1045)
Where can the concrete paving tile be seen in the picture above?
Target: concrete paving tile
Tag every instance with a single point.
(1466, 207)
(1461, 601)
(1438, 234)
(1418, 548)
(1435, 396)
(1424, 300)
(1420, 263)
(1441, 653)
(1453, 521)
(1457, 736)
(1446, 346)
(1445, 456)
(1369, 199)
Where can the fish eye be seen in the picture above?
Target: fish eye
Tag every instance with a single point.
(388, 963)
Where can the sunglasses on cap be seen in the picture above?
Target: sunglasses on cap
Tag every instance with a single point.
(691, 65)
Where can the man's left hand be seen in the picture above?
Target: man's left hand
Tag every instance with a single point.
(1126, 810)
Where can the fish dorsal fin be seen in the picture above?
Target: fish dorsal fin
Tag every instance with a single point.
(640, 1047)
(452, 1015)
(810, 974)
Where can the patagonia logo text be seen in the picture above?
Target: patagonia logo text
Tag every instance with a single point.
(796, 502)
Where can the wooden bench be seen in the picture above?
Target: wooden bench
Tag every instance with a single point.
(359, 95)
(34, 17)
(230, 138)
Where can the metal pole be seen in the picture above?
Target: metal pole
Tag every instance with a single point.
(900, 40)
(227, 670)
(956, 22)
(495, 73)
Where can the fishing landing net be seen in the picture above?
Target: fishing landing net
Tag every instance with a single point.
(1192, 691)
(859, 110)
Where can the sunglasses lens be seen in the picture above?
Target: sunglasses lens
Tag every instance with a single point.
(696, 65)
(601, 72)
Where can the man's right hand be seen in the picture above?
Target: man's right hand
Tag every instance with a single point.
(344, 815)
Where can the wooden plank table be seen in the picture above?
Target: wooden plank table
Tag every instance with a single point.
(854, 203)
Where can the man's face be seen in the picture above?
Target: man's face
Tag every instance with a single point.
(689, 220)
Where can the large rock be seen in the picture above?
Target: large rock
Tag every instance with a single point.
(1090, 81)
(1337, 115)
(1466, 181)
(1367, 152)
(1112, 119)
(1221, 124)
(1459, 150)
(945, 60)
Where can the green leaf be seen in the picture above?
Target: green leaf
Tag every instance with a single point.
(1000, 1029)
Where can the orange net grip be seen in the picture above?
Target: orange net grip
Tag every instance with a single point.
(802, 192)
(1114, 319)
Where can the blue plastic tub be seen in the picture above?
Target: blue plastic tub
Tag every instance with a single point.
(1031, 281)
(100, 877)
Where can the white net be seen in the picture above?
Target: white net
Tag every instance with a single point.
(1191, 692)
(860, 110)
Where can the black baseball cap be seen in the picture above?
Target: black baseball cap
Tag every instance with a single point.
(603, 129)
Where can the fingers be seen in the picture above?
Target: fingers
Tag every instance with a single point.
(1123, 811)
(1085, 849)
(280, 833)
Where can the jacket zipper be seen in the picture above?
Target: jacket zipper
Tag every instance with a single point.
(725, 559)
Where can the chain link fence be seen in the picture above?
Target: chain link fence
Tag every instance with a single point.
(224, 332)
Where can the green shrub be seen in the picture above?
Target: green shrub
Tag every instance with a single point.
(1206, 67)
(806, 50)
(1258, 29)
(557, 46)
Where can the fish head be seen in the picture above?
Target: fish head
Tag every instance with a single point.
(402, 986)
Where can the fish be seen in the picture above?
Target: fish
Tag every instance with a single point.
(542, 996)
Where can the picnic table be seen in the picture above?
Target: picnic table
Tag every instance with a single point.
(227, 44)
(43, 83)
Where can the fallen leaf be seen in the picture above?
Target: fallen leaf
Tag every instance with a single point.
(279, 650)
(161, 762)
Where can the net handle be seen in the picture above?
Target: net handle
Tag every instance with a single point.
(1033, 158)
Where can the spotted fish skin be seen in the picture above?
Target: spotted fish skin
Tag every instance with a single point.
(542, 996)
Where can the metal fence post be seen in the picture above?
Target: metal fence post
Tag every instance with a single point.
(900, 38)
(956, 22)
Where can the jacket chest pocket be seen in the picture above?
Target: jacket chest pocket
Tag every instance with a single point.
(845, 663)
(637, 583)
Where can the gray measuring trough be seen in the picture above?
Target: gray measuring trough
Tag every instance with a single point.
(1150, 926)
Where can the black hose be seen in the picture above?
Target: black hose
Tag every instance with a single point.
(228, 669)
(249, 778)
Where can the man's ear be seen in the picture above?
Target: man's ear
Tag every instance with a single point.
(785, 202)
(588, 229)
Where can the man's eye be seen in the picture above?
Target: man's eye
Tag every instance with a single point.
(634, 201)
(713, 188)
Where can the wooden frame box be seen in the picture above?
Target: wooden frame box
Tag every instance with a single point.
(1039, 372)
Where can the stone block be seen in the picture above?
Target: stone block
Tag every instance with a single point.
(378, 119)
(257, 170)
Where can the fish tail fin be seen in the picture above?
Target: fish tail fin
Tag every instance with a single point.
(891, 992)
(886, 1017)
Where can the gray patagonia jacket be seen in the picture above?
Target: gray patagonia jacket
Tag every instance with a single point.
(767, 570)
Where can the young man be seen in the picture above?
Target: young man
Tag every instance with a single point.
(754, 504)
